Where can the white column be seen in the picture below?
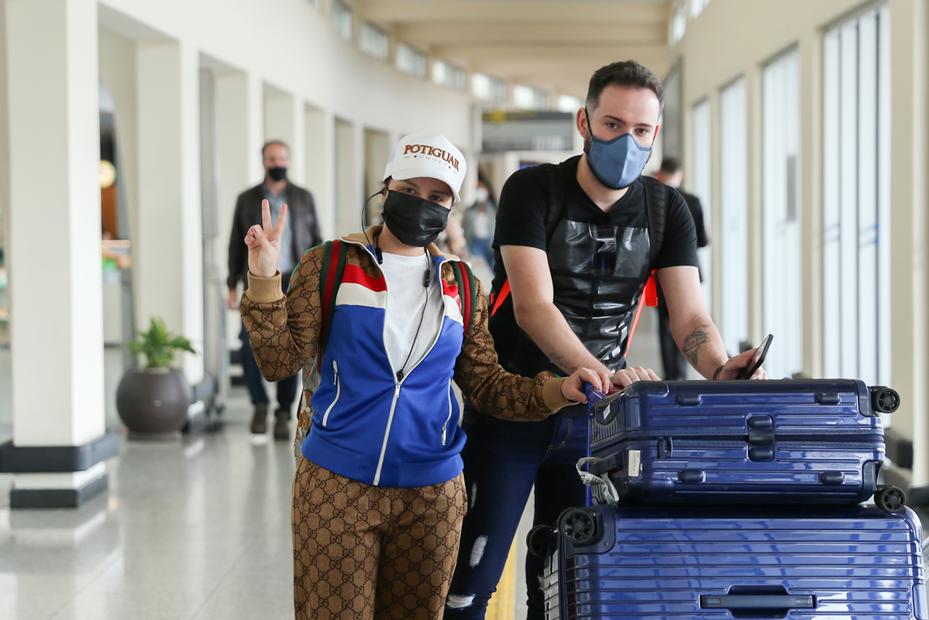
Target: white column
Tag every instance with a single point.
(349, 144)
(279, 116)
(54, 254)
(909, 193)
(319, 147)
(285, 119)
(238, 144)
(169, 252)
(811, 192)
(298, 147)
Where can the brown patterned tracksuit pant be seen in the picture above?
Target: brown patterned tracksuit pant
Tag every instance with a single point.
(365, 552)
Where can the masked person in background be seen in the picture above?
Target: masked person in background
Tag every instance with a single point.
(478, 223)
(575, 244)
(300, 233)
(378, 495)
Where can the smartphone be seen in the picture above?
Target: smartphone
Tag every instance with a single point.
(757, 358)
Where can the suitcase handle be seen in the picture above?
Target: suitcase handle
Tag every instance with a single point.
(765, 602)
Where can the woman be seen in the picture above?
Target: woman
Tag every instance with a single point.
(379, 497)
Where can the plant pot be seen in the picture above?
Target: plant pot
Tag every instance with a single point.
(153, 402)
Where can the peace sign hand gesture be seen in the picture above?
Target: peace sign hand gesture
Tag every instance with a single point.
(264, 242)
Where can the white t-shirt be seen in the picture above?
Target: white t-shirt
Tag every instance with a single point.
(405, 298)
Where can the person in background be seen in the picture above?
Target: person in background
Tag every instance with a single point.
(300, 234)
(671, 174)
(479, 222)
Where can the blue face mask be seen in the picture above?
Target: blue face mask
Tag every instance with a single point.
(616, 163)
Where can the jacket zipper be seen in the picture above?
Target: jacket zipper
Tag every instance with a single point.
(338, 392)
(448, 419)
(397, 382)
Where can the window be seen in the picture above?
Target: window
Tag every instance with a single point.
(411, 60)
(856, 189)
(566, 103)
(342, 19)
(449, 75)
(782, 274)
(488, 88)
(530, 98)
(374, 41)
(696, 7)
(732, 248)
(699, 175)
(678, 23)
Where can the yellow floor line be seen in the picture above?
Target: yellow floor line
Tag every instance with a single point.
(502, 604)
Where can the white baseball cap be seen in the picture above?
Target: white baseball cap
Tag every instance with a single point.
(433, 156)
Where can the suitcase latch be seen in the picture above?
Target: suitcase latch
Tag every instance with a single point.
(665, 447)
(760, 438)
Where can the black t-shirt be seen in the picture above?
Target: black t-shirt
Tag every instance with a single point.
(597, 305)
(524, 203)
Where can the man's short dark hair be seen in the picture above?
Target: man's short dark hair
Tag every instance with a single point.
(623, 73)
(671, 165)
(264, 147)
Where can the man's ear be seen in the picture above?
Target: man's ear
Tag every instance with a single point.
(581, 121)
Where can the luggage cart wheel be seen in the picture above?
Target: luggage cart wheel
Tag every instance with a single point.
(884, 399)
(540, 541)
(890, 498)
(580, 526)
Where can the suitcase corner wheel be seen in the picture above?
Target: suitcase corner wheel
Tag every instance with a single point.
(890, 498)
(540, 541)
(579, 525)
(884, 399)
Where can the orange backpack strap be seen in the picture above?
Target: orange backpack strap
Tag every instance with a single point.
(497, 299)
(649, 298)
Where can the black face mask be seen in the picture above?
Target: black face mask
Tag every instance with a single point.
(278, 173)
(412, 220)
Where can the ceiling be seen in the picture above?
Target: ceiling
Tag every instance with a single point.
(550, 44)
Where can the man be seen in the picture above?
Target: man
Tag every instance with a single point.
(575, 244)
(300, 234)
(671, 173)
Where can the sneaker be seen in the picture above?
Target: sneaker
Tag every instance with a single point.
(260, 420)
(282, 424)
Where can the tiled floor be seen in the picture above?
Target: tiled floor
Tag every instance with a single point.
(197, 528)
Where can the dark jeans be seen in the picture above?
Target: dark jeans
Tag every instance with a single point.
(502, 461)
(672, 360)
(286, 389)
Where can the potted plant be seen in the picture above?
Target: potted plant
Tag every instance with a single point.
(153, 401)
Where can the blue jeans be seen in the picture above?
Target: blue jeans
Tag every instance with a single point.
(502, 461)
(286, 389)
(484, 249)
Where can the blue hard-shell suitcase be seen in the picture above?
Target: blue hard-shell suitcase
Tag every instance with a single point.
(797, 441)
(708, 563)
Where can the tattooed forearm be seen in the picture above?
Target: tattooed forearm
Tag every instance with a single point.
(692, 344)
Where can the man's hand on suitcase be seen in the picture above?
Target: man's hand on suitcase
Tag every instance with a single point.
(733, 368)
(627, 376)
